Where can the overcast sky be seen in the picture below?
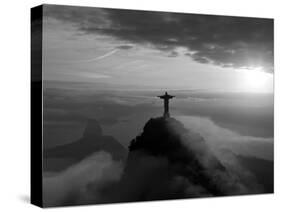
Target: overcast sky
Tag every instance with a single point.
(125, 49)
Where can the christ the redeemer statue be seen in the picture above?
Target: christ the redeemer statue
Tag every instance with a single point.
(166, 99)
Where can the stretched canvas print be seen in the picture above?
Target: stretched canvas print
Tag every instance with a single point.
(131, 105)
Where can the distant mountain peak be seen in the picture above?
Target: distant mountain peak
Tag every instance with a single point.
(92, 141)
(93, 128)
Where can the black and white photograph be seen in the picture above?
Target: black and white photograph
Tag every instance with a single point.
(139, 106)
(148, 105)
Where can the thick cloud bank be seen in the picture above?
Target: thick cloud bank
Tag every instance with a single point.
(236, 42)
(70, 187)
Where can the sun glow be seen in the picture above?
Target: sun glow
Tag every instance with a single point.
(256, 80)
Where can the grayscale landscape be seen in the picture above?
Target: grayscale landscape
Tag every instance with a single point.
(107, 137)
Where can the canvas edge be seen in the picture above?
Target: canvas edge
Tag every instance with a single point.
(36, 196)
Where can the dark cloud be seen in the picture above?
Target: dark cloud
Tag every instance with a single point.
(125, 47)
(173, 54)
(78, 16)
(237, 42)
(200, 59)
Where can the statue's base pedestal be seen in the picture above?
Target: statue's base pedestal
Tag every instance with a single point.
(166, 115)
